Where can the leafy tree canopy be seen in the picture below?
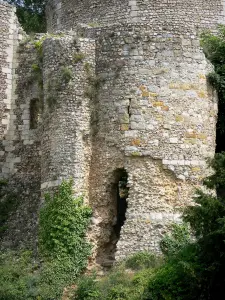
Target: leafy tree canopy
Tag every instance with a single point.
(31, 14)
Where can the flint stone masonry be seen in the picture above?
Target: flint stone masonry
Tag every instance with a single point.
(137, 99)
(66, 14)
(19, 146)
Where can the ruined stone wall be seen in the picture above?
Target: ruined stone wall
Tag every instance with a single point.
(152, 113)
(19, 144)
(8, 38)
(66, 144)
(156, 118)
(127, 96)
(65, 14)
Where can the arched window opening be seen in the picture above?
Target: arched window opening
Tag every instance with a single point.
(34, 113)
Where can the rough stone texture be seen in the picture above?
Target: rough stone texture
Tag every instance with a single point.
(66, 14)
(137, 99)
(155, 113)
(19, 145)
(66, 145)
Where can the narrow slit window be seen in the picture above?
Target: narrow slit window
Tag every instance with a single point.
(34, 113)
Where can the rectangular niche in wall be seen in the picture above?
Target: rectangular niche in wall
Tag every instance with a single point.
(34, 113)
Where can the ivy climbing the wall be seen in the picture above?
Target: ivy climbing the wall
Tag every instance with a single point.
(63, 251)
(63, 224)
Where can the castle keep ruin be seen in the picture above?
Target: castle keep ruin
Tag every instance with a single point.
(125, 103)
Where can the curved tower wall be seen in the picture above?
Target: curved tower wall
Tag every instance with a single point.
(152, 113)
(129, 92)
(66, 137)
(157, 120)
(66, 14)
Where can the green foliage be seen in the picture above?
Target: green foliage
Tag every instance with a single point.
(120, 283)
(63, 251)
(142, 260)
(35, 67)
(88, 288)
(56, 275)
(94, 83)
(174, 280)
(78, 57)
(51, 101)
(176, 240)
(18, 277)
(87, 68)
(38, 44)
(117, 285)
(55, 85)
(66, 75)
(39, 47)
(31, 14)
(63, 224)
(217, 179)
(22, 278)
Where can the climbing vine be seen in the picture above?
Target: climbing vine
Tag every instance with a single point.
(63, 225)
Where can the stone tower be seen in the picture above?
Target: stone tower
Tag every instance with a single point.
(137, 105)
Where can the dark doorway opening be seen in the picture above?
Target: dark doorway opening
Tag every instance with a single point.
(121, 201)
(118, 206)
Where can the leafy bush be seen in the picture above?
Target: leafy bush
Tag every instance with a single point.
(174, 280)
(176, 240)
(120, 283)
(63, 251)
(142, 260)
(117, 284)
(63, 224)
(88, 288)
(18, 277)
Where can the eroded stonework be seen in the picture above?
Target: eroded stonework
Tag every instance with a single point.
(137, 100)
